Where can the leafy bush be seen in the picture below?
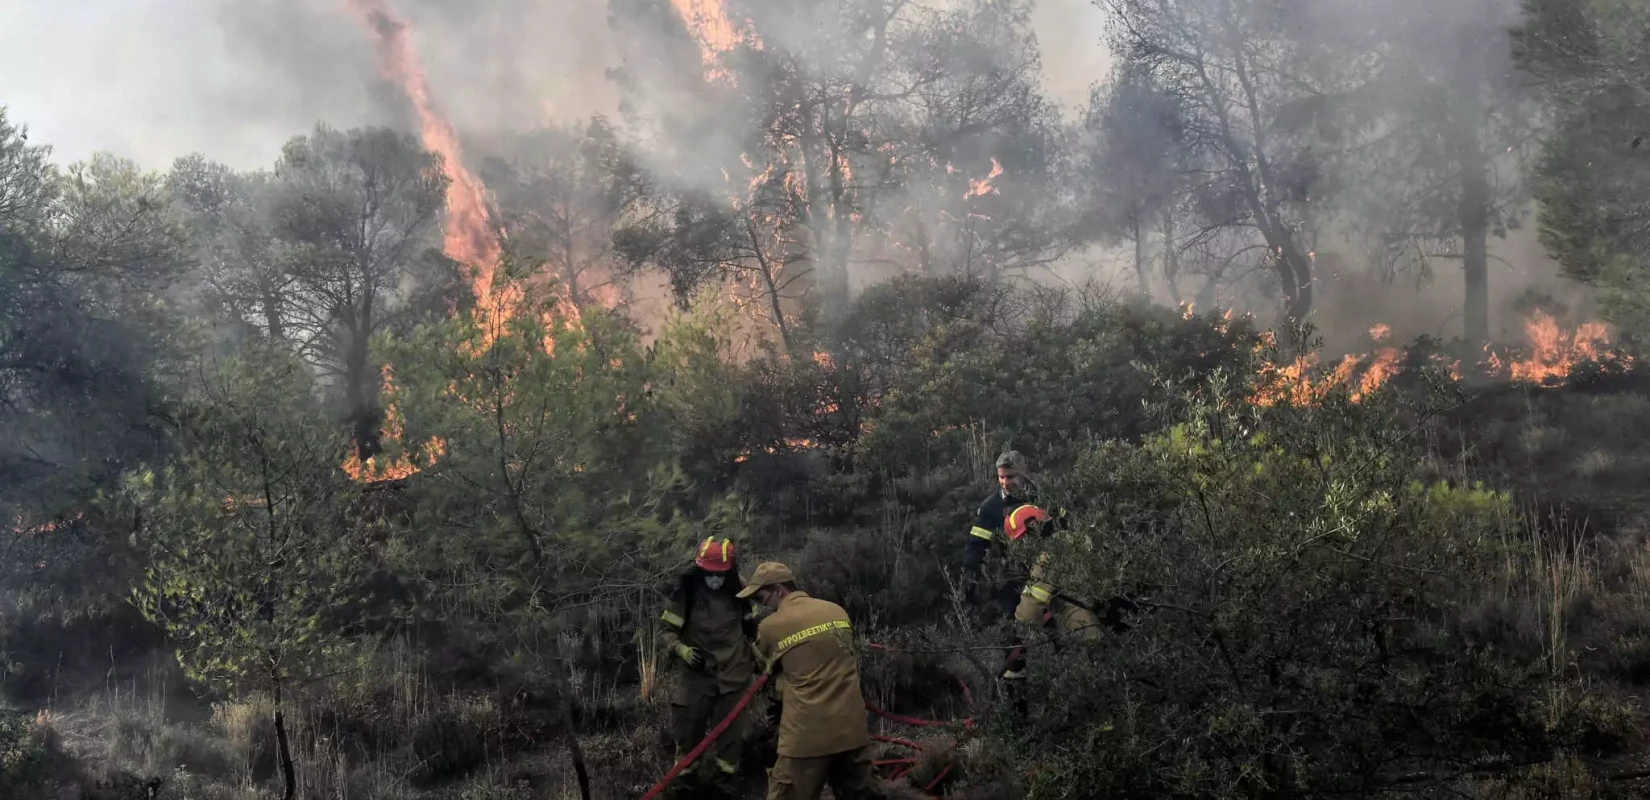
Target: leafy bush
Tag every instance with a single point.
(1047, 384)
(25, 762)
(1299, 585)
(552, 483)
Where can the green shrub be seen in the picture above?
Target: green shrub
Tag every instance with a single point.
(26, 762)
(1300, 583)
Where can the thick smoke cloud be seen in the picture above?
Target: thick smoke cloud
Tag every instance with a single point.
(234, 79)
(158, 79)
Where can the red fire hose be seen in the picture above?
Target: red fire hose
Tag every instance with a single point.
(905, 765)
(710, 738)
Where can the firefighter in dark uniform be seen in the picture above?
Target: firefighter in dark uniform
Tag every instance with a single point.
(1014, 488)
(709, 628)
(1012, 511)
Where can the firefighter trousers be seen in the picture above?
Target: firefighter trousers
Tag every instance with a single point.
(848, 773)
(1070, 619)
(693, 715)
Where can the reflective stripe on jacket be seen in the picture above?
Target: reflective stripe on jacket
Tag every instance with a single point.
(715, 626)
(809, 642)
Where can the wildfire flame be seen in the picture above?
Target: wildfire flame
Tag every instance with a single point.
(467, 238)
(979, 187)
(402, 466)
(1553, 354)
(709, 23)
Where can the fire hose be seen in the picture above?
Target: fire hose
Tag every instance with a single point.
(710, 738)
(905, 764)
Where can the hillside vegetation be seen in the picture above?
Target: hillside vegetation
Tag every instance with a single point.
(364, 476)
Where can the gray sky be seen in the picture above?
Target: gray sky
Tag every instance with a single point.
(234, 79)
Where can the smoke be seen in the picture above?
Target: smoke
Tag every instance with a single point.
(234, 79)
(1071, 35)
(159, 79)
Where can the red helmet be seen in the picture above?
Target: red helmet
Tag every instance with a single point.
(1018, 520)
(715, 556)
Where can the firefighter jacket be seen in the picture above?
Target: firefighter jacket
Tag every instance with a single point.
(1042, 589)
(714, 622)
(809, 643)
(988, 524)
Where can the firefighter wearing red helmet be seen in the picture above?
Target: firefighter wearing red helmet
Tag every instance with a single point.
(708, 627)
(1042, 601)
(1013, 510)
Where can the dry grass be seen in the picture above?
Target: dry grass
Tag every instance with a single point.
(1594, 463)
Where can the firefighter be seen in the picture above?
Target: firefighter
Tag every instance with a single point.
(1042, 603)
(1014, 488)
(707, 626)
(824, 732)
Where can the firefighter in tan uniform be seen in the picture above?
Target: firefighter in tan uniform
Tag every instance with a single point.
(707, 625)
(1042, 603)
(824, 732)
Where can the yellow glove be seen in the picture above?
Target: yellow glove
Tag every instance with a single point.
(692, 655)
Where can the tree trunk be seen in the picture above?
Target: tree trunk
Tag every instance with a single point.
(770, 284)
(923, 259)
(571, 270)
(832, 286)
(360, 395)
(1475, 251)
(1300, 266)
(1140, 258)
(1171, 257)
(574, 751)
(289, 776)
(1474, 213)
(1293, 270)
(272, 315)
(1293, 267)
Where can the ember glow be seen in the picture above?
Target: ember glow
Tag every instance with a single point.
(789, 444)
(21, 528)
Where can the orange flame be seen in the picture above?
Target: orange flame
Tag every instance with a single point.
(402, 466)
(709, 23)
(1294, 383)
(979, 187)
(468, 238)
(1553, 353)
